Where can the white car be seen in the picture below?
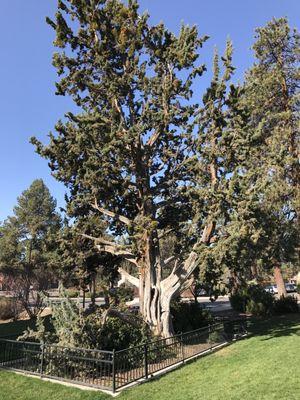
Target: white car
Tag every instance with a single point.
(271, 289)
(290, 287)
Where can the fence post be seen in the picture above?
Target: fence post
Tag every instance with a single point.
(113, 371)
(209, 336)
(182, 346)
(146, 360)
(42, 359)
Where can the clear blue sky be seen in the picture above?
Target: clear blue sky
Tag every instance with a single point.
(28, 104)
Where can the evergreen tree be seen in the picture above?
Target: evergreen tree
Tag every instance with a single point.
(131, 154)
(24, 243)
(272, 96)
(222, 210)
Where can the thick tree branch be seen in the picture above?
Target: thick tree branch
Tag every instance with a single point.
(127, 277)
(112, 248)
(111, 214)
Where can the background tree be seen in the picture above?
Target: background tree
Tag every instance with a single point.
(272, 97)
(24, 245)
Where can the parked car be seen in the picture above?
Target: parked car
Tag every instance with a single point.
(290, 287)
(271, 289)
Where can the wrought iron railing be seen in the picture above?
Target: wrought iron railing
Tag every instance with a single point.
(114, 369)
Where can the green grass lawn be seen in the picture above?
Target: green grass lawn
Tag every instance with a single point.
(264, 366)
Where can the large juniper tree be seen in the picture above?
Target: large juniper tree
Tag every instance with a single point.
(133, 153)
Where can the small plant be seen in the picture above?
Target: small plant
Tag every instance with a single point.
(286, 305)
(189, 316)
(216, 337)
(258, 309)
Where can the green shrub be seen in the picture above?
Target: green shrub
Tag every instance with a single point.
(189, 316)
(72, 292)
(238, 301)
(286, 305)
(298, 288)
(257, 308)
(119, 335)
(252, 299)
(216, 337)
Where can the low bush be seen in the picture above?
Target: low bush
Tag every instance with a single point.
(114, 334)
(9, 308)
(286, 305)
(189, 316)
(72, 292)
(238, 301)
(298, 288)
(216, 337)
(254, 300)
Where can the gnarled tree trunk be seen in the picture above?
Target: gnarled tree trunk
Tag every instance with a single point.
(157, 294)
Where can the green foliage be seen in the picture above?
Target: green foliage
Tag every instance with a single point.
(286, 305)
(238, 301)
(271, 95)
(252, 299)
(71, 326)
(256, 301)
(120, 295)
(216, 337)
(72, 292)
(298, 288)
(115, 334)
(40, 332)
(189, 316)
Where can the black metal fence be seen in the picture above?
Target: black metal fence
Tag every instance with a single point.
(114, 369)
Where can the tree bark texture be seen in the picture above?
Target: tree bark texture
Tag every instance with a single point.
(279, 281)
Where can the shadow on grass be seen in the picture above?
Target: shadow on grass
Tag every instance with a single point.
(274, 327)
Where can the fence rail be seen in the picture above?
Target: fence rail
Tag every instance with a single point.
(114, 369)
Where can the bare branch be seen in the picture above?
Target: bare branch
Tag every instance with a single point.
(153, 138)
(111, 214)
(168, 260)
(99, 240)
(127, 277)
(112, 248)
